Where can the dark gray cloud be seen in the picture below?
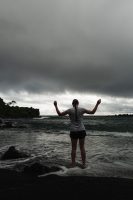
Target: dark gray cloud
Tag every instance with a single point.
(83, 46)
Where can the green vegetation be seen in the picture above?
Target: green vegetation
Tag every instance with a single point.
(8, 110)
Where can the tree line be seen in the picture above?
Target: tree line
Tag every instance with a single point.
(11, 110)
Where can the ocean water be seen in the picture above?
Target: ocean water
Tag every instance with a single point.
(109, 145)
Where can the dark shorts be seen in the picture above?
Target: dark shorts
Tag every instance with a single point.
(77, 134)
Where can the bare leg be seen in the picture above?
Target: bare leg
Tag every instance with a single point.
(82, 150)
(73, 152)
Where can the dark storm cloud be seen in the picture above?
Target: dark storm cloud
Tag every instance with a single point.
(85, 46)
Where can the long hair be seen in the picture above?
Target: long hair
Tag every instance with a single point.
(75, 102)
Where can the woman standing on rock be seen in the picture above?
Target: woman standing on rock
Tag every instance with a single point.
(77, 129)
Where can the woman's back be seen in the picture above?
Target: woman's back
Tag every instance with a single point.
(76, 119)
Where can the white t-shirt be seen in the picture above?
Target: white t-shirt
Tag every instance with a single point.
(76, 124)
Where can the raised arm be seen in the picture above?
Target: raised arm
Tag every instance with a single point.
(58, 111)
(94, 109)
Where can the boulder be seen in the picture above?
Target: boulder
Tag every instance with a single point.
(37, 169)
(13, 153)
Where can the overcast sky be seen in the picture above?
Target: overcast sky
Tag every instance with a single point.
(60, 50)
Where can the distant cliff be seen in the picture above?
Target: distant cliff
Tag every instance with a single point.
(9, 110)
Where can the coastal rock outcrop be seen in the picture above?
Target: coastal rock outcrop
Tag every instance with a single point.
(37, 169)
(13, 153)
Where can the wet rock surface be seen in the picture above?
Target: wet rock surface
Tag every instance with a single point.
(37, 169)
(13, 153)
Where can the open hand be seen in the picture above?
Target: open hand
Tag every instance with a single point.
(99, 101)
(55, 103)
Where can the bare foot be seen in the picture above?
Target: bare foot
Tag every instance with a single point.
(83, 166)
(73, 165)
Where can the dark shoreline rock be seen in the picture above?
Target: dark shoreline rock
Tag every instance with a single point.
(16, 185)
(13, 153)
(38, 169)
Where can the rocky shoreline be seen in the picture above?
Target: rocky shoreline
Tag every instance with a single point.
(28, 183)
(17, 185)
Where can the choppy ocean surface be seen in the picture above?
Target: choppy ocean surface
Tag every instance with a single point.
(109, 145)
